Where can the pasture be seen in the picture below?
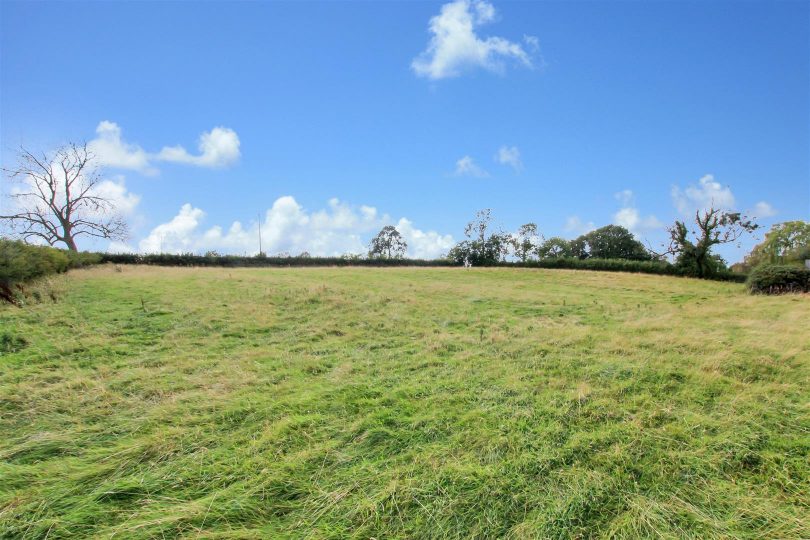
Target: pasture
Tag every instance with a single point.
(403, 403)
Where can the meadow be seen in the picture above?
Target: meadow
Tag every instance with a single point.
(153, 402)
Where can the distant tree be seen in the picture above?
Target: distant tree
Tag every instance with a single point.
(481, 247)
(304, 255)
(578, 248)
(784, 243)
(693, 249)
(524, 243)
(388, 244)
(610, 242)
(58, 198)
(554, 247)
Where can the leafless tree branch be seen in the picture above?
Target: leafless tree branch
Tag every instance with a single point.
(56, 198)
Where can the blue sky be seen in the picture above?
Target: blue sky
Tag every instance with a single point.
(568, 114)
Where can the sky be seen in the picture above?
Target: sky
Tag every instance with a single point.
(322, 122)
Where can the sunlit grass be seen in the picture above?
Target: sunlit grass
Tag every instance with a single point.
(404, 403)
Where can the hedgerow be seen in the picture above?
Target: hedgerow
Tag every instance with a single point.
(190, 259)
(21, 263)
(778, 279)
(607, 265)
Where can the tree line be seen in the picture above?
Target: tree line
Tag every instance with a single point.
(692, 249)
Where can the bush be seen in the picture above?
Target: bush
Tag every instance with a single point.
(21, 263)
(778, 279)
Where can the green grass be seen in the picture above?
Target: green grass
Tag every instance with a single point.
(404, 403)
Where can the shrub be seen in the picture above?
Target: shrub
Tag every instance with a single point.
(778, 279)
(21, 263)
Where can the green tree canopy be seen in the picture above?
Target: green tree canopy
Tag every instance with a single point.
(610, 242)
(388, 244)
(784, 243)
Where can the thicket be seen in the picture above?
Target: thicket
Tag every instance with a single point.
(778, 279)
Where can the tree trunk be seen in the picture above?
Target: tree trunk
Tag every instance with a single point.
(70, 242)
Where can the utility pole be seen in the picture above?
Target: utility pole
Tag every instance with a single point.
(260, 233)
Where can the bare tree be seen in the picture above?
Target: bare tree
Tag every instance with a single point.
(56, 198)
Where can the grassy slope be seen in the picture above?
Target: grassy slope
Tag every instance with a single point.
(430, 403)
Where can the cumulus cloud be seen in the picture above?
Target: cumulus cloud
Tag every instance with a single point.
(576, 226)
(115, 191)
(176, 236)
(466, 166)
(287, 227)
(509, 155)
(703, 195)
(218, 148)
(629, 216)
(111, 150)
(424, 245)
(455, 47)
(763, 210)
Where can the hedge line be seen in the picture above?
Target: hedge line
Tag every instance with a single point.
(188, 259)
(20, 262)
(608, 265)
(661, 268)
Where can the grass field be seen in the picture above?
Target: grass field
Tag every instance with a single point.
(403, 403)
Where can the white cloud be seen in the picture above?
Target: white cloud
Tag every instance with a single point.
(510, 155)
(763, 210)
(629, 216)
(218, 148)
(705, 194)
(466, 166)
(176, 236)
(575, 225)
(112, 151)
(424, 245)
(288, 228)
(455, 47)
(116, 192)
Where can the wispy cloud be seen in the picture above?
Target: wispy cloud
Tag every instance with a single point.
(466, 166)
(763, 210)
(705, 194)
(509, 155)
(576, 226)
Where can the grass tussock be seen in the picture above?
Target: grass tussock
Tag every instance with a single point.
(403, 403)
